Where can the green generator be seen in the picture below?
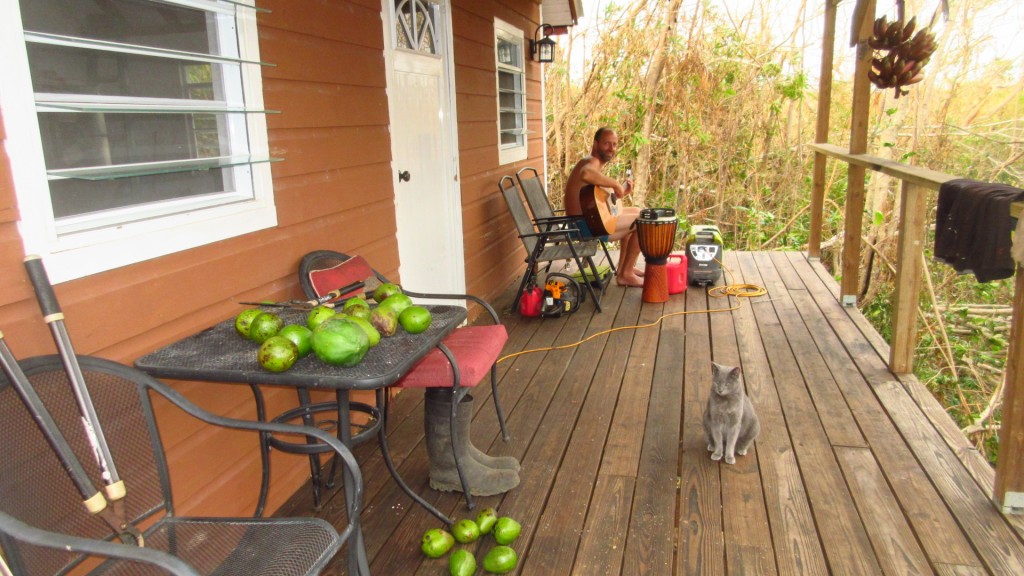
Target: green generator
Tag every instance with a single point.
(703, 254)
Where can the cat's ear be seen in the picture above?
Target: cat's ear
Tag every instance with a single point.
(716, 368)
(735, 373)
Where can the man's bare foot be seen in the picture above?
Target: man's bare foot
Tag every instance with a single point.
(639, 272)
(631, 280)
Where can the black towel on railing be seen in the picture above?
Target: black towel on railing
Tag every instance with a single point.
(972, 227)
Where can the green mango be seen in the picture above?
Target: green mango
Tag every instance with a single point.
(486, 519)
(500, 560)
(506, 530)
(465, 531)
(386, 289)
(462, 563)
(436, 542)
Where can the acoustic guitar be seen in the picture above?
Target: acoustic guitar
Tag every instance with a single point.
(600, 208)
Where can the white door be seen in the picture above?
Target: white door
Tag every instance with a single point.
(423, 145)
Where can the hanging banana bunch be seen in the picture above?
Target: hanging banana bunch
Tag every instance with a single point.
(900, 55)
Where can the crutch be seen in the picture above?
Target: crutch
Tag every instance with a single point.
(54, 318)
(93, 500)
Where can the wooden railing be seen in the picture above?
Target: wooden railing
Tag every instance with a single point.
(1008, 489)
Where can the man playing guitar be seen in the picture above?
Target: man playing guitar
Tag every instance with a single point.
(589, 170)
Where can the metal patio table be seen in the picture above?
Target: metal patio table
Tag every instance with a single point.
(219, 354)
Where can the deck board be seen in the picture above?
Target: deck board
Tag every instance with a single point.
(857, 470)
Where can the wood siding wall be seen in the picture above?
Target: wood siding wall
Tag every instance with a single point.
(334, 190)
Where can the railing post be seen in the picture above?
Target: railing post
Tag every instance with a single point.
(850, 283)
(821, 130)
(1008, 490)
(909, 267)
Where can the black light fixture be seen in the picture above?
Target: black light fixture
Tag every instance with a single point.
(543, 50)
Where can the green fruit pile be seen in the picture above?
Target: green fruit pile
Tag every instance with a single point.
(501, 559)
(339, 337)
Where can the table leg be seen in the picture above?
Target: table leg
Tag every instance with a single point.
(314, 459)
(357, 562)
(386, 454)
(261, 416)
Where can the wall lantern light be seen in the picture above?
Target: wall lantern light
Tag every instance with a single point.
(543, 50)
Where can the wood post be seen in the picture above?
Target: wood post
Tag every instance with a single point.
(821, 132)
(850, 283)
(1008, 490)
(909, 268)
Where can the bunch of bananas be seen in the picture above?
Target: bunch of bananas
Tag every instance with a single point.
(902, 54)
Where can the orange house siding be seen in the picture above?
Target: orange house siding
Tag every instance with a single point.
(333, 190)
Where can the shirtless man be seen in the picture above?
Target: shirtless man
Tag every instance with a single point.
(589, 170)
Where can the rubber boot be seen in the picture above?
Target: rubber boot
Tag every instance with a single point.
(444, 476)
(499, 462)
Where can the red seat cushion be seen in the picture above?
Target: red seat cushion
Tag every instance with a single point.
(352, 270)
(476, 349)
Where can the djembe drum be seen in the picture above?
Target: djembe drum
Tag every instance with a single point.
(656, 232)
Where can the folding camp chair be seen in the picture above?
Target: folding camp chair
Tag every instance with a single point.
(544, 215)
(475, 348)
(44, 527)
(545, 244)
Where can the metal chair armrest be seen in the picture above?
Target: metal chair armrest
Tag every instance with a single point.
(340, 449)
(36, 536)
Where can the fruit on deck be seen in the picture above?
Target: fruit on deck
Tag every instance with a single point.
(486, 519)
(462, 563)
(500, 560)
(506, 530)
(436, 542)
(465, 531)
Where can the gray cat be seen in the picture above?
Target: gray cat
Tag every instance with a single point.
(730, 423)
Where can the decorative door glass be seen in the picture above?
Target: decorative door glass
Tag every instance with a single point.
(415, 26)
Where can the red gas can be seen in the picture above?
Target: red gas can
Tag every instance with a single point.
(675, 268)
(529, 302)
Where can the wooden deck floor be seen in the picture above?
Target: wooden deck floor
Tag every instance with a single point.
(855, 472)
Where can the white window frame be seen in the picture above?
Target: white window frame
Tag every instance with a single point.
(508, 153)
(77, 254)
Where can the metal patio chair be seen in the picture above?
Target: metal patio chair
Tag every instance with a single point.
(475, 348)
(546, 244)
(544, 215)
(45, 529)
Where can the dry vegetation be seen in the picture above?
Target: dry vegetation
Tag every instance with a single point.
(714, 109)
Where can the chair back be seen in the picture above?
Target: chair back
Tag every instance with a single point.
(321, 271)
(516, 207)
(533, 190)
(34, 485)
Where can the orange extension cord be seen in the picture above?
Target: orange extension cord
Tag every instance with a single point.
(734, 290)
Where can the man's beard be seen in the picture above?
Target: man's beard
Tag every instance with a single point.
(605, 157)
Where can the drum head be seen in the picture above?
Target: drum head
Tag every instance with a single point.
(657, 214)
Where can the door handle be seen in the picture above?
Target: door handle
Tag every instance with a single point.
(403, 176)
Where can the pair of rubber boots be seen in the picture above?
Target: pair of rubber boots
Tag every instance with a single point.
(486, 475)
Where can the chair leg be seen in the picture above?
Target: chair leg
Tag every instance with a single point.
(590, 287)
(608, 256)
(497, 405)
